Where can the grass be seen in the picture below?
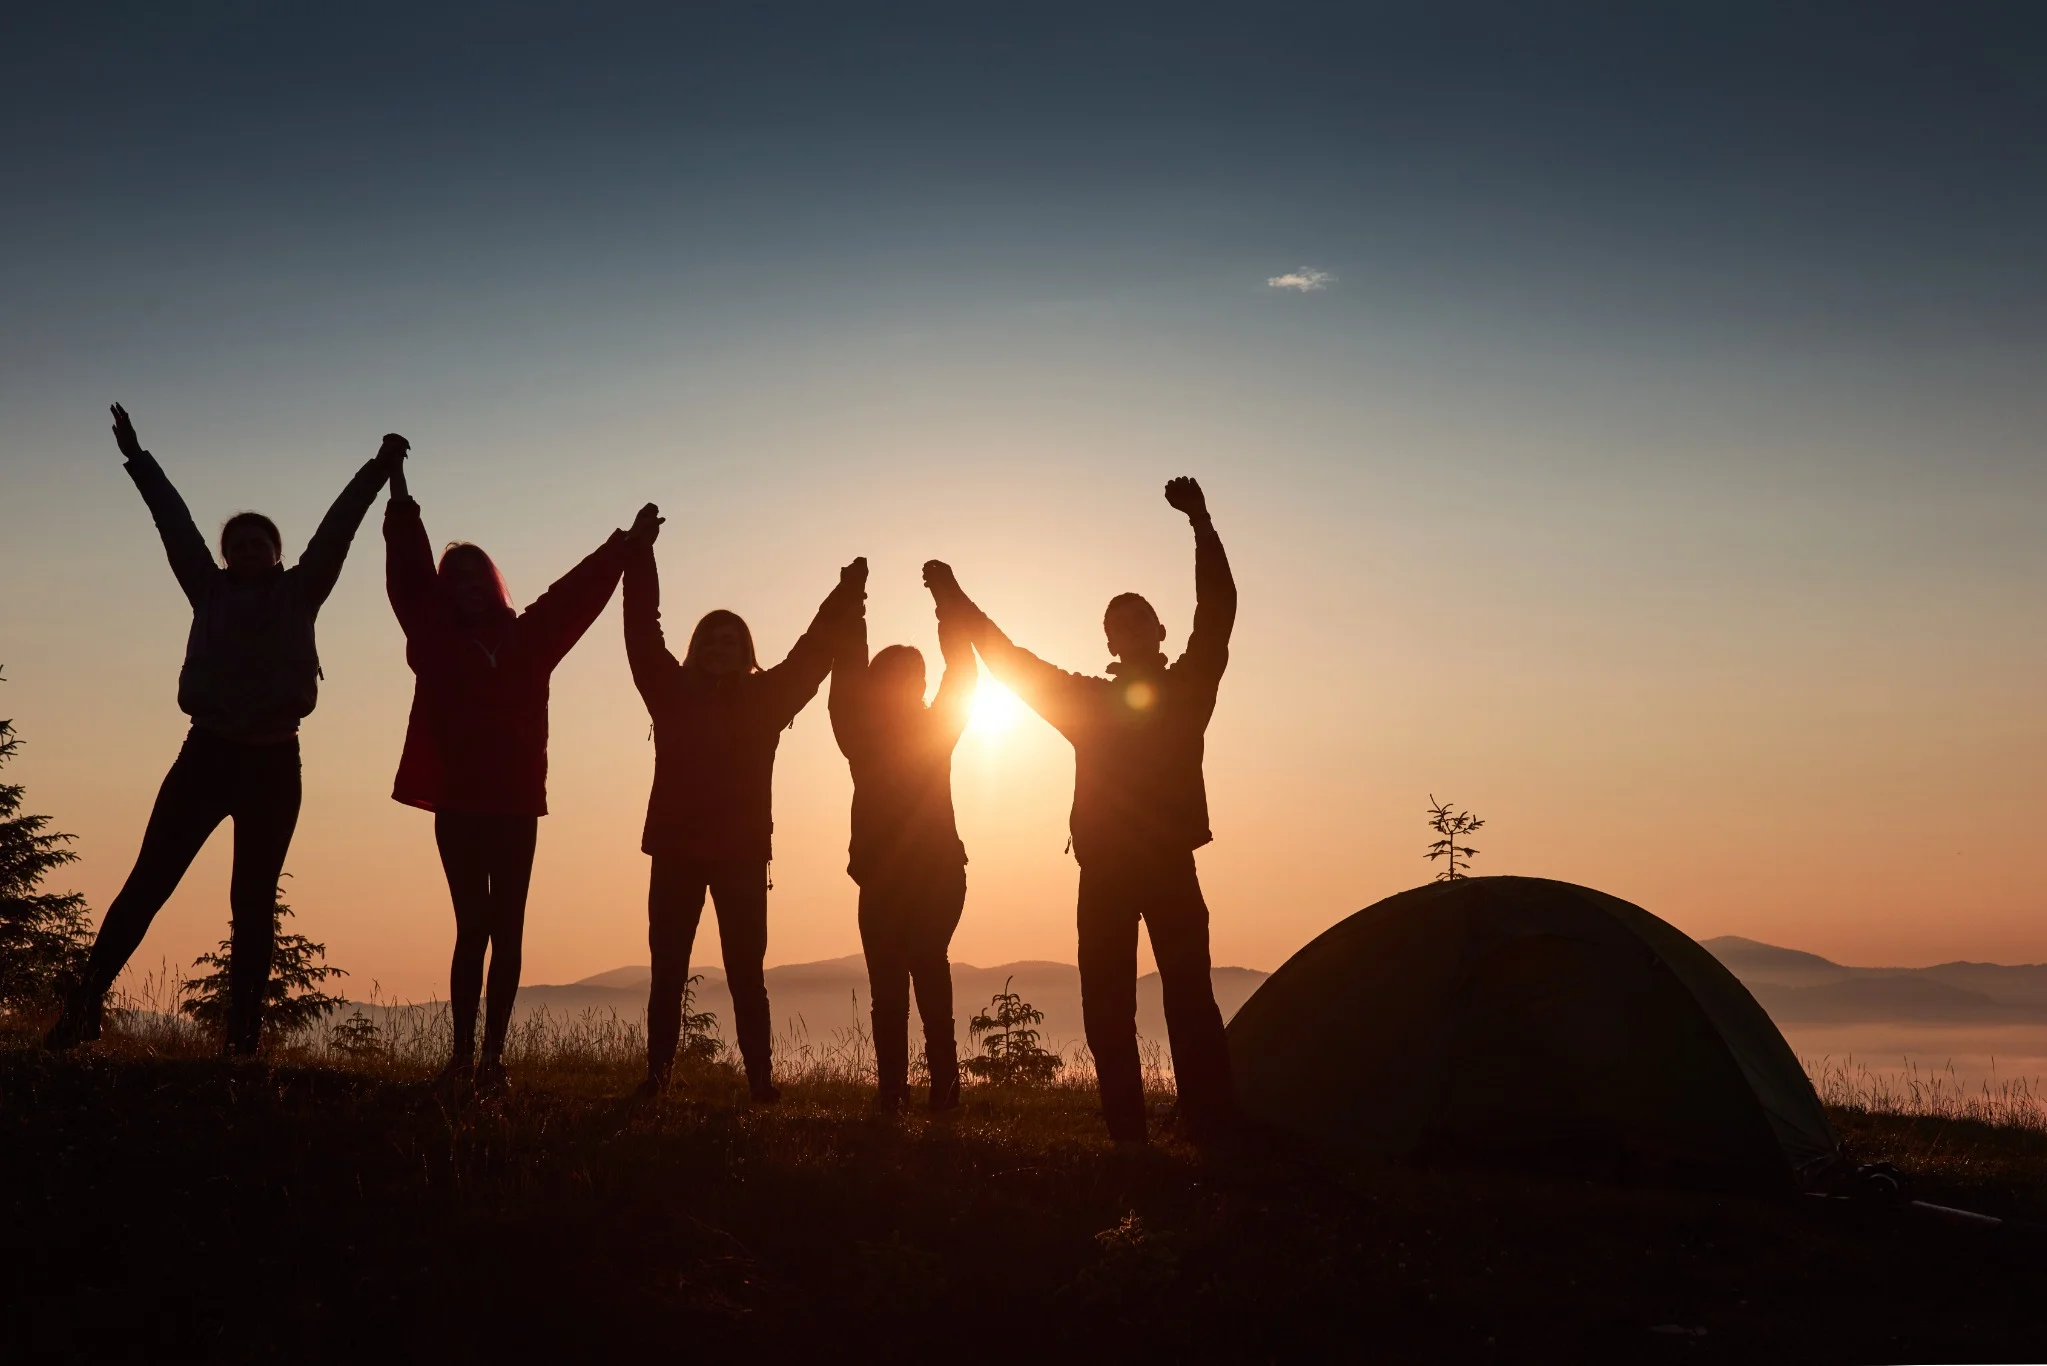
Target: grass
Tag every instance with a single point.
(161, 1205)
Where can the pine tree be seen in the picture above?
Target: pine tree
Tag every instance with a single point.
(1011, 1051)
(292, 1001)
(44, 936)
(1452, 826)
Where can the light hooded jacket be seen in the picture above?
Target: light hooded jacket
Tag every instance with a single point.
(715, 737)
(901, 758)
(476, 740)
(252, 667)
(1138, 736)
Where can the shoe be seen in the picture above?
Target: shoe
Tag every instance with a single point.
(888, 1102)
(648, 1091)
(944, 1096)
(456, 1078)
(765, 1093)
(491, 1081)
(80, 1023)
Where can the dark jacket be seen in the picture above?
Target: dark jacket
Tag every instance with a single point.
(1138, 735)
(477, 737)
(902, 762)
(252, 669)
(715, 738)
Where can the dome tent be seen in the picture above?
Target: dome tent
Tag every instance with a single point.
(1533, 1021)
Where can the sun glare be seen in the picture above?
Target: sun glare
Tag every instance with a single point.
(996, 708)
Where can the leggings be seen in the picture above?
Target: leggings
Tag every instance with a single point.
(906, 925)
(489, 862)
(214, 779)
(675, 904)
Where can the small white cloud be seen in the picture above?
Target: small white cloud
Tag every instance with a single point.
(1307, 280)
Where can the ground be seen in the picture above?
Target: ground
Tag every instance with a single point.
(163, 1208)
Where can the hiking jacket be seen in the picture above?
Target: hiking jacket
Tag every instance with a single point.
(1137, 735)
(901, 759)
(476, 740)
(715, 737)
(252, 668)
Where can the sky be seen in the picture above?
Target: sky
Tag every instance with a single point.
(1624, 423)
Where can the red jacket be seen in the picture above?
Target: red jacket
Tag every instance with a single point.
(715, 738)
(477, 738)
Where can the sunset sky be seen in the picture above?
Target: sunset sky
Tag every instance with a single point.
(1655, 468)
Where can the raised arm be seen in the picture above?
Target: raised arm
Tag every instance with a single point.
(847, 701)
(409, 578)
(1215, 590)
(320, 567)
(191, 561)
(955, 700)
(791, 684)
(558, 618)
(1047, 689)
(646, 651)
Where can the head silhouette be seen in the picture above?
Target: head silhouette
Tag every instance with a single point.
(1133, 629)
(896, 674)
(471, 580)
(721, 645)
(250, 544)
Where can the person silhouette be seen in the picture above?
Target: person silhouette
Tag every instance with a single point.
(718, 719)
(476, 742)
(1140, 810)
(905, 851)
(251, 674)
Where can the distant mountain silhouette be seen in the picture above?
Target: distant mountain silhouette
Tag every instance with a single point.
(1804, 988)
(819, 999)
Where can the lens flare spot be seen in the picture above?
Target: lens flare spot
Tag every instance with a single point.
(1140, 696)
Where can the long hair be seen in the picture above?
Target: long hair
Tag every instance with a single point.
(460, 551)
(710, 621)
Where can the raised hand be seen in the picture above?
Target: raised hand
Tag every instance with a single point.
(938, 577)
(1185, 494)
(394, 450)
(124, 433)
(646, 526)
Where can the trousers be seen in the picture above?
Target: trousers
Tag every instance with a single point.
(213, 779)
(738, 889)
(906, 926)
(1163, 891)
(488, 859)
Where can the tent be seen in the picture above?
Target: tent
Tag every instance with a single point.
(1534, 1022)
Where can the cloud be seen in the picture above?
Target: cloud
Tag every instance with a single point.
(1307, 280)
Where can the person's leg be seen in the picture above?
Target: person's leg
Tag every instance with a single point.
(1108, 996)
(1177, 918)
(509, 854)
(464, 861)
(883, 915)
(193, 799)
(740, 893)
(931, 968)
(265, 806)
(675, 905)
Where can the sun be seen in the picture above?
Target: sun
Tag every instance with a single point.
(996, 708)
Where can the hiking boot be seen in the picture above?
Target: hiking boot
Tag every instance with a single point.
(491, 1081)
(79, 1023)
(888, 1102)
(764, 1092)
(456, 1079)
(648, 1091)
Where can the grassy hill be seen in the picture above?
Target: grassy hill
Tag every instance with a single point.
(165, 1208)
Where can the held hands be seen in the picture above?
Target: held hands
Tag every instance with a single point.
(124, 433)
(853, 579)
(392, 453)
(646, 526)
(1185, 494)
(939, 579)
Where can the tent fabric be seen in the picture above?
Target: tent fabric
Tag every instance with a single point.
(1529, 1020)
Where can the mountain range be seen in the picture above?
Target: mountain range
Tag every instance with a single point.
(1804, 988)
